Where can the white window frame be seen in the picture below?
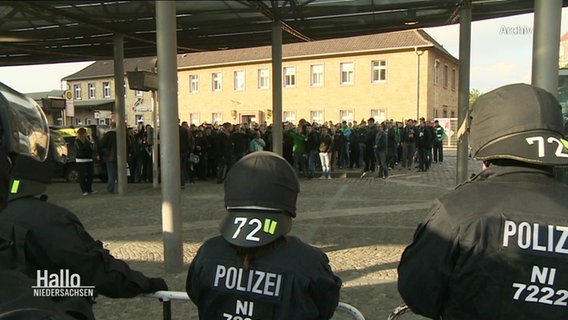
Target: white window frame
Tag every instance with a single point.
(194, 118)
(92, 90)
(239, 77)
(347, 73)
(289, 74)
(316, 75)
(264, 78)
(317, 116)
(217, 117)
(379, 115)
(378, 71)
(217, 82)
(77, 91)
(289, 116)
(346, 115)
(106, 89)
(193, 83)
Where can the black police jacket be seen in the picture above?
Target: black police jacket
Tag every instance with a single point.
(494, 248)
(36, 236)
(293, 282)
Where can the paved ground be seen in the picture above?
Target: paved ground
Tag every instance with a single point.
(362, 224)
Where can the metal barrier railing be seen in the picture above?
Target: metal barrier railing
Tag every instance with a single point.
(167, 296)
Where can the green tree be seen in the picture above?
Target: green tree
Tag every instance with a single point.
(473, 95)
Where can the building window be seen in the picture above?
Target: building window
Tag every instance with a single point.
(91, 90)
(194, 119)
(138, 93)
(77, 91)
(289, 76)
(217, 117)
(379, 70)
(239, 80)
(193, 83)
(289, 116)
(346, 115)
(379, 115)
(316, 116)
(317, 75)
(454, 79)
(446, 76)
(263, 79)
(346, 72)
(106, 89)
(217, 81)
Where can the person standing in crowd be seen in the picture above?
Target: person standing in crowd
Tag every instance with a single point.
(256, 143)
(241, 140)
(288, 279)
(370, 162)
(325, 145)
(440, 135)
(362, 130)
(109, 148)
(298, 148)
(224, 151)
(37, 237)
(339, 143)
(185, 147)
(312, 149)
(84, 146)
(424, 145)
(408, 141)
(381, 146)
(495, 247)
(346, 149)
(202, 149)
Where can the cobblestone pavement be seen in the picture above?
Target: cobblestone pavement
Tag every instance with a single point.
(363, 224)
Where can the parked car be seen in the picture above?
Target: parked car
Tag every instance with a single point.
(63, 145)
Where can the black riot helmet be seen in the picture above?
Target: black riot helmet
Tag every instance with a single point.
(519, 122)
(261, 191)
(24, 143)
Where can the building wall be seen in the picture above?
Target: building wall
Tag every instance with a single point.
(136, 106)
(396, 96)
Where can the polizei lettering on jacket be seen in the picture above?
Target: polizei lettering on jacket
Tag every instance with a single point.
(248, 281)
(533, 236)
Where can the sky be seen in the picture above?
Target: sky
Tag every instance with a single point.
(498, 57)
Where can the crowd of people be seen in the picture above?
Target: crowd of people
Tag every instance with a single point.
(207, 151)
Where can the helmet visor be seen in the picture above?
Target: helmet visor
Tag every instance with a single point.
(24, 126)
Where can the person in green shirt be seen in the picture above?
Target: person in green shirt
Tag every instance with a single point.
(439, 136)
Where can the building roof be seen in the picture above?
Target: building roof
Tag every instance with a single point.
(105, 68)
(401, 40)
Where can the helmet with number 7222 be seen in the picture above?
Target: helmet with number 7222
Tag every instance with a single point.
(520, 122)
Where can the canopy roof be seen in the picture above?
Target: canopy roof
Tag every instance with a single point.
(40, 32)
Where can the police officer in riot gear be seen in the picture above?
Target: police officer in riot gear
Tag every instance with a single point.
(38, 238)
(254, 270)
(497, 246)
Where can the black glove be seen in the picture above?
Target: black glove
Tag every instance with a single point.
(158, 284)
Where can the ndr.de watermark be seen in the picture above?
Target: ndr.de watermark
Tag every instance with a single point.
(62, 284)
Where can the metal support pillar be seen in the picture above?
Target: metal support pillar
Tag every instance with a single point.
(169, 135)
(547, 18)
(277, 130)
(121, 158)
(463, 90)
